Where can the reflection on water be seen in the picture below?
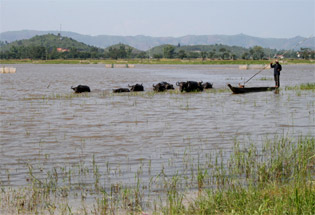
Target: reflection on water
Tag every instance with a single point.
(42, 122)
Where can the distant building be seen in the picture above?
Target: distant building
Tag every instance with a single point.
(62, 50)
(279, 56)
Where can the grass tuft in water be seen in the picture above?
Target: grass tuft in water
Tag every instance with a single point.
(307, 86)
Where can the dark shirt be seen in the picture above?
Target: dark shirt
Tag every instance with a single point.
(277, 68)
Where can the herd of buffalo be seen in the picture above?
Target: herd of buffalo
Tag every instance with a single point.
(187, 86)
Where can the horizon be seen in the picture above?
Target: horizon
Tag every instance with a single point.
(172, 18)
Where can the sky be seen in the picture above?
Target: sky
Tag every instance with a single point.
(160, 18)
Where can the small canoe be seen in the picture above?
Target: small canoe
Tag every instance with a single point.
(238, 90)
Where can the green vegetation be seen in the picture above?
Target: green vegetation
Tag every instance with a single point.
(307, 86)
(48, 41)
(279, 179)
(121, 51)
(275, 178)
(265, 79)
(217, 51)
(50, 47)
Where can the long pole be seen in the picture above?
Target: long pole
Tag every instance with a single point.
(302, 41)
(256, 74)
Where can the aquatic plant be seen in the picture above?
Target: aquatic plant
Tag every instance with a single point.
(265, 79)
(274, 177)
(307, 86)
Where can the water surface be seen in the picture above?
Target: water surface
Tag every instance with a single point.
(42, 123)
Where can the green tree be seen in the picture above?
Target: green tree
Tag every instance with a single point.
(73, 53)
(211, 54)
(113, 53)
(157, 56)
(37, 52)
(234, 57)
(142, 55)
(203, 55)
(94, 52)
(305, 53)
(257, 53)
(182, 54)
(14, 52)
(129, 52)
(169, 51)
(122, 53)
(193, 55)
(245, 56)
(225, 56)
(23, 52)
(54, 54)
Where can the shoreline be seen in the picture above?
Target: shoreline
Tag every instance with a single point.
(155, 61)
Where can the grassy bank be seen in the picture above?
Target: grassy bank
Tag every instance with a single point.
(154, 61)
(275, 178)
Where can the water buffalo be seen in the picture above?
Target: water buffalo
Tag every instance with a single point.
(136, 88)
(121, 90)
(81, 89)
(159, 87)
(168, 85)
(207, 85)
(190, 86)
(162, 86)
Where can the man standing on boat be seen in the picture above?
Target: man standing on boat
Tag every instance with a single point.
(277, 68)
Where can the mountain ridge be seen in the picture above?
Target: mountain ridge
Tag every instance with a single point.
(143, 42)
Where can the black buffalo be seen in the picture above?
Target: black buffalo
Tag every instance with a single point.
(190, 86)
(162, 86)
(81, 89)
(207, 85)
(136, 88)
(121, 90)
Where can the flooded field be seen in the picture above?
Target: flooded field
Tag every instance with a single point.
(44, 125)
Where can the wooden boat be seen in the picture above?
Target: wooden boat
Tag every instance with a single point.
(238, 90)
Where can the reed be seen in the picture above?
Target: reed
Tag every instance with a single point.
(274, 177)
(307, 86)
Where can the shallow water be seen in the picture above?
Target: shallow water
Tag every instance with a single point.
(42, 123)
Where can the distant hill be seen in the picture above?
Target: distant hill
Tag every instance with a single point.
(146, 42)
(49, 41)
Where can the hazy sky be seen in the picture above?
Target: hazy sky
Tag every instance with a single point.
(261, 18)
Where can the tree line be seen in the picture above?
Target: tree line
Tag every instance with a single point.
(43, 53)
(227, 53)
(122, 51)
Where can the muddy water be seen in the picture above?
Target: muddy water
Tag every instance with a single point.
(43, 123)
